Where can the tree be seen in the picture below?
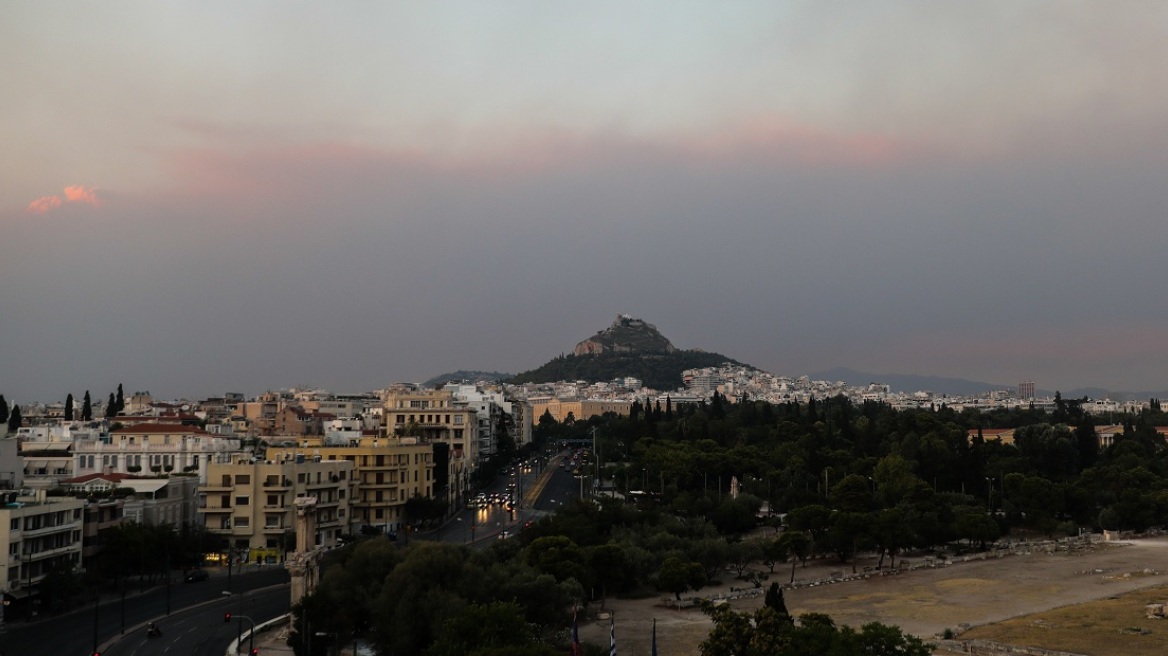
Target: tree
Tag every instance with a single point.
(111, 407)
(14, 419)
(774, 600)
(774, 551)
(677, 576)
(86, 408)
(121, 399)
(766, 633)
(799, 546)
(558, 556)
(3, 409)
(488, 629)
(608, 565)
(69, 407)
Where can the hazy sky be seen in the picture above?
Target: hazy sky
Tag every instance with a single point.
(200, 197)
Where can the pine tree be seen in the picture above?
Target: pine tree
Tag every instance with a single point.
(774, 600)
(14, 419)
(69, 407)
(86, 408)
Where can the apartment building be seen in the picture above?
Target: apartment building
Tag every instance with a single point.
(152, 449)
(435, 417)
(41, 534)
(251, 502)
(387, 473)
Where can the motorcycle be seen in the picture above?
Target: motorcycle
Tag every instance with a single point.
(153, 632)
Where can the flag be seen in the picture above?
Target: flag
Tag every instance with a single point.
(612, 636)
(575, 636)
(654, 652)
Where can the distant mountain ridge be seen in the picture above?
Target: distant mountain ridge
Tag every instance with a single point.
(469, 376)
(630, 347)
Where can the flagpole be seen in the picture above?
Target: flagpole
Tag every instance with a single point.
(654, 652)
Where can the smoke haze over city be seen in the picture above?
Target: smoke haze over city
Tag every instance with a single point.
(199, 198)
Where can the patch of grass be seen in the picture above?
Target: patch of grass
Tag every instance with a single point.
(1107, 627)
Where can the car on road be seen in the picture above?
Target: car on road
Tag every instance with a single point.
(196, 575)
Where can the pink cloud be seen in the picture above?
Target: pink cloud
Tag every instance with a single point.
(80, 194)
(44, 204)
(73, 194)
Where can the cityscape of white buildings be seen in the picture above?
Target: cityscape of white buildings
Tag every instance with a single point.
(236, 465)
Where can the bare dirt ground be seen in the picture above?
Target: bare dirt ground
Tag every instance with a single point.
(924, 602)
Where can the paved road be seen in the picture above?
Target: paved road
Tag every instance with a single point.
(201, 631)
(540, 488)
(74, 633)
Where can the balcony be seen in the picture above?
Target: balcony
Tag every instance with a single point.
(50, 553)
(277, 529)
(211, 510)
(278, 485)
(50, 530)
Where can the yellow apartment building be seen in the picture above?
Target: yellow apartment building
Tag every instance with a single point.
(387, 472)
(251, 501)
(435, 417)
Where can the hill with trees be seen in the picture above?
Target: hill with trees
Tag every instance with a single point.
(629, 347)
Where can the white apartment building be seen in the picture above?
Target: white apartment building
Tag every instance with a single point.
(153, 449)
(40, 534)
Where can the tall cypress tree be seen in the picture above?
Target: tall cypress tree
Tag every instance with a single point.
(3, 409)
(86, 408)
(14, 419)
(111, 407)
(121, 399)
(69, 407)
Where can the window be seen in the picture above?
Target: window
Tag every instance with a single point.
(243, 522)
(273, 500)
(243, 479)
(242, 501)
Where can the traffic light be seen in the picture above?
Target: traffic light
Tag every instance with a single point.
(227, 616)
